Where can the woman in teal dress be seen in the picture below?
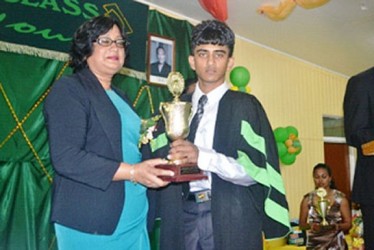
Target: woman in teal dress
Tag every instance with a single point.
(99, 189)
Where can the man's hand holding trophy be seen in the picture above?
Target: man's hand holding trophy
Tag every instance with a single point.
(176, 116)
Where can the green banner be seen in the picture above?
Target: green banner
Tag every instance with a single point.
(50, 24)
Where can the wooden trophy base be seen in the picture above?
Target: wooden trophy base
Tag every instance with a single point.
(182, 172)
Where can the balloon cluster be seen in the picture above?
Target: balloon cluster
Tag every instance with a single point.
(288, 144)
(239, 77)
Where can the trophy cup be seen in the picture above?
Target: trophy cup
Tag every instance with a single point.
(176, 115)
(323, 205)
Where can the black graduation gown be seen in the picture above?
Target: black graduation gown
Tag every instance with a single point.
(238, 212)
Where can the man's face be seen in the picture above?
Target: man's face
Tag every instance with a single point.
(161, 55)
(211, 63)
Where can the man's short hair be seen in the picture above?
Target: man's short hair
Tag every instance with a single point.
(213, 32)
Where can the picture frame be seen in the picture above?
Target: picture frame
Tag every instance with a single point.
(160, 59)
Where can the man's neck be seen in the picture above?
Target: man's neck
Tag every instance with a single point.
(208, 87)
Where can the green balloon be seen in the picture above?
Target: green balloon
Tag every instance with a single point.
(280, 134)
(288, 159)
(296, 143)
(282, 149)
(292, 130)
(239, 76)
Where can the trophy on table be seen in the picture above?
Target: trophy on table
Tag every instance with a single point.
(323, 205)
(176, 115)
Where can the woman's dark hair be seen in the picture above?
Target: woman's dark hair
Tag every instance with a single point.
(213, 32)
(328, 170)
(84, 37)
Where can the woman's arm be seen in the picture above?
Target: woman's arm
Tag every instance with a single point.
(345, 210)
(303, 217)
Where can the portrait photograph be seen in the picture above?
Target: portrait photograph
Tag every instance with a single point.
(161, 54)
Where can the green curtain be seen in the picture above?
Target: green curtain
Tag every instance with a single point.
(26, 174)
(25, 170)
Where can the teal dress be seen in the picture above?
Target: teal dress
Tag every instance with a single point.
(131, 232)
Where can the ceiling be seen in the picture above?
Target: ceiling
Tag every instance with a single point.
(338, 36)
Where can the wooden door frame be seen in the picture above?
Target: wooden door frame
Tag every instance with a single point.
(351, 155)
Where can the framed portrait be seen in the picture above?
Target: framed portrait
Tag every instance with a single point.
(161, 58)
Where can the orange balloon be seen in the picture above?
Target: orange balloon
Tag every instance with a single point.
(292, 150)
(277, 13)
(288, 143)
(310, 4)
(292, 136)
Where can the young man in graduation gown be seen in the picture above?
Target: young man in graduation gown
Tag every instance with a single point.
(243, 197)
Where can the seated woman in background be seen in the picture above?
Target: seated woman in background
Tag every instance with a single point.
(338, 213)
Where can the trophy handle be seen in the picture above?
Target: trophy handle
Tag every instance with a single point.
(162, 108)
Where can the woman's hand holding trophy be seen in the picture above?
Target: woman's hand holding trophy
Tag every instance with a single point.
(322, 207)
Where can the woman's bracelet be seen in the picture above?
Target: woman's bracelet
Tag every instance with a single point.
(132, 174)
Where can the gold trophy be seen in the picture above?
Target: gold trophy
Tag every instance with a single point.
(323, 205)
(176, 115)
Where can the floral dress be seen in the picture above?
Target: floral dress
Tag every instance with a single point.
(328, 238)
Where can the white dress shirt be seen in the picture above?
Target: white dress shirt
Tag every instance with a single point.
(209, 160)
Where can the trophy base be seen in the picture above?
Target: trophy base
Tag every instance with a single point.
(182, 172)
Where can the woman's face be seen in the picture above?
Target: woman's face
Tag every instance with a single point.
(321, 178)
(107, 61)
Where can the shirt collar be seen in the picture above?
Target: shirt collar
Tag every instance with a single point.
(213, 96)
